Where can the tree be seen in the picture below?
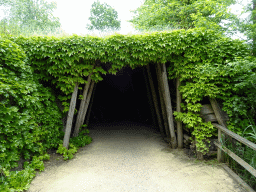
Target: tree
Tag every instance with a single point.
(176, 14)
(247, 25)
(29, 16)
(103, 17)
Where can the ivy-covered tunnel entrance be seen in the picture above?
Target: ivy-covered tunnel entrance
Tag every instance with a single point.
(140, 95)
(122, 97)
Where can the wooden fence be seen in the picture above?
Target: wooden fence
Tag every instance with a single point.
(221, 149)
(230, 153)
(222, 132)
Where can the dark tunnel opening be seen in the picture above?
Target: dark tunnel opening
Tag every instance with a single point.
(122, 97)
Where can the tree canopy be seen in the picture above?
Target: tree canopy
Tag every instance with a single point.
(185, 14)
(29, 17)
(247, 25)
(103, 17)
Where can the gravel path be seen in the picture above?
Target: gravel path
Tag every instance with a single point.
(131, 157)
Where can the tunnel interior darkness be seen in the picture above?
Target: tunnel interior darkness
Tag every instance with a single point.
(121, 97)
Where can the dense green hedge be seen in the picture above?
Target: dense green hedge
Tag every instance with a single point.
(26, 111)
(30, 121)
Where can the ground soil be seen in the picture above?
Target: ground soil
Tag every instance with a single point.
(131, 157)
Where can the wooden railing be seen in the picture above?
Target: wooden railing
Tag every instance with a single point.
(221, 148)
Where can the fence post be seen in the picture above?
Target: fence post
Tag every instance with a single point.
(220, 155)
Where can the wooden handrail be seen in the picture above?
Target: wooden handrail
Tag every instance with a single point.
(235, 136)
(230, 153)
(237, 159)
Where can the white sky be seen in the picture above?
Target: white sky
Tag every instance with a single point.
(74, 14)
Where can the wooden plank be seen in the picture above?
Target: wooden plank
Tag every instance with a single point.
(237, 159)
(178, 108)
(150, 99)
(90, 105)
(79, 118)
(160, 88)
(237, 178)
(235, 136)
(168, 105)
(70, 117)
(156, 105)
(206, 109)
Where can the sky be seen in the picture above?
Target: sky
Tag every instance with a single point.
(74, 14)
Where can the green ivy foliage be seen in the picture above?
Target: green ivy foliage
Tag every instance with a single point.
(27, 126)
(232, 82)
(239, 97)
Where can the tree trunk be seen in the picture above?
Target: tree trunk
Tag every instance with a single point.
(79, 118)
(179, 123)
(70, 117)
(168, 105)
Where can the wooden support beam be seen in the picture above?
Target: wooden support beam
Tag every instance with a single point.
(156, 105)
(217, 112)
(70, 117)
(88, 100)
(216, 109)
(150, 99)
(163, 109)
(179, 123)
(79, 121)
(168, 105)
(90, 105)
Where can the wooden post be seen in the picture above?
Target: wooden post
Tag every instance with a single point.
(90, 106)
(79, 121)
(160, 88)
(150, 99)
(70, 117)
(216, 109)
(179, 123)
(168, 104)
(153, 91)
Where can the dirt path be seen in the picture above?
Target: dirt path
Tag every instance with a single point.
(131, 157)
